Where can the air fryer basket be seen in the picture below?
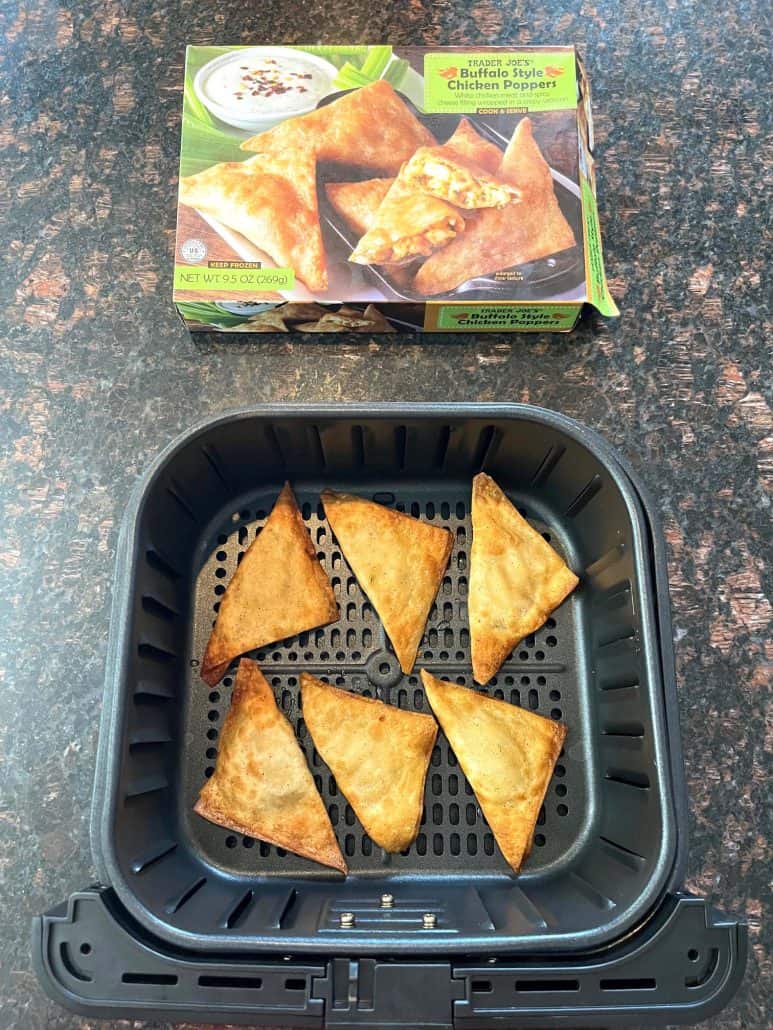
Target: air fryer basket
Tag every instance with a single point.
(606, 843)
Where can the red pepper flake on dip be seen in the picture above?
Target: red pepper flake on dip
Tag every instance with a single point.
(250, 87)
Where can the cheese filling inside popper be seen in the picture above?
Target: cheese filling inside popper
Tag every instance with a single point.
(418, 213)
(442, 173)
(408, 223)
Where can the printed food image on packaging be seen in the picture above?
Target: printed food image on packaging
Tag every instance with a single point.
(374, 189)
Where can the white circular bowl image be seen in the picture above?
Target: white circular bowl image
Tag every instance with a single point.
(243, 307)
(255, 87)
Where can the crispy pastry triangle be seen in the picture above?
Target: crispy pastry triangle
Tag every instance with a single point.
(301, 311)
(271, 199)
(270, 321)
(398, 561)
(358, 202)
(371, 127)
(378, 754)
(279, 589)
(378, 323)
(261, 785)
(498, 238)
(409, 223)
(516, 578)
(468, 143)
(506, 753)
(351, 321)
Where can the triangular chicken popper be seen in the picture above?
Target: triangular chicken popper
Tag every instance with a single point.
(499, 238)
(507, 754)
(378, 322)
(468, 143)
(371, 127)
(516, 578)
(279, 589)
(271, 199)
(398, 561)
(301, 311)
(358, 202)
(261, 785)
(270, 321)
(378, 754)
(420, 213)
(409, 223)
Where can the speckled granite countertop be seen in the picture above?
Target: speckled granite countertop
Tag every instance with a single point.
(97, 375)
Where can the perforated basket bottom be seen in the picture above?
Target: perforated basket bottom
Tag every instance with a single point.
(542, 675)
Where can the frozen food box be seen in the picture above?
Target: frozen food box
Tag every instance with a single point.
(377, 189)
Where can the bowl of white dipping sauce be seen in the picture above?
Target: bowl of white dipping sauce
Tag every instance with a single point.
(254, 88)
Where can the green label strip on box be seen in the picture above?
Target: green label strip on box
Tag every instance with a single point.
(541, 81)
(477, 318)
(598, 291)
(226, 280)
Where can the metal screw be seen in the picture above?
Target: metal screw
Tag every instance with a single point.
(387, 901)
(347, 920)
(429, 920)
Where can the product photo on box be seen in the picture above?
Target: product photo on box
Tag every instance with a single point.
(379, 189)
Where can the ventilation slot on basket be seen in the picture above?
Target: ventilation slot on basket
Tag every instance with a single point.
(182, 503)
(253, 983)
(442, 449)
(618, 637)
(185, 896)
(237, 913)
(401, 446)
(159, 564)
(488, 441)
(631, 859)
(317, 448)
(591, 893)
(146, 861)
(212, 459)
(147, 784)
(617, 596)
(619, 683)
(358, 446)
(151, 979)
(546, 986)
(630, 777)
(147, 747)
(272, 441)
(642, 984)
(155, 607)
(584, 497)
(624, 729)
(155, 654)
(548, 464)
(608, 559)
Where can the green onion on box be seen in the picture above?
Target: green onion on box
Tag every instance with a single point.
(209, 314)
(377, 64)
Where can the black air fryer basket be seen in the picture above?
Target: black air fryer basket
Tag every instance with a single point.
(192, 921)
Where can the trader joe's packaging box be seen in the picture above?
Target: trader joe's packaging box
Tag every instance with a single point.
(377, 188)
